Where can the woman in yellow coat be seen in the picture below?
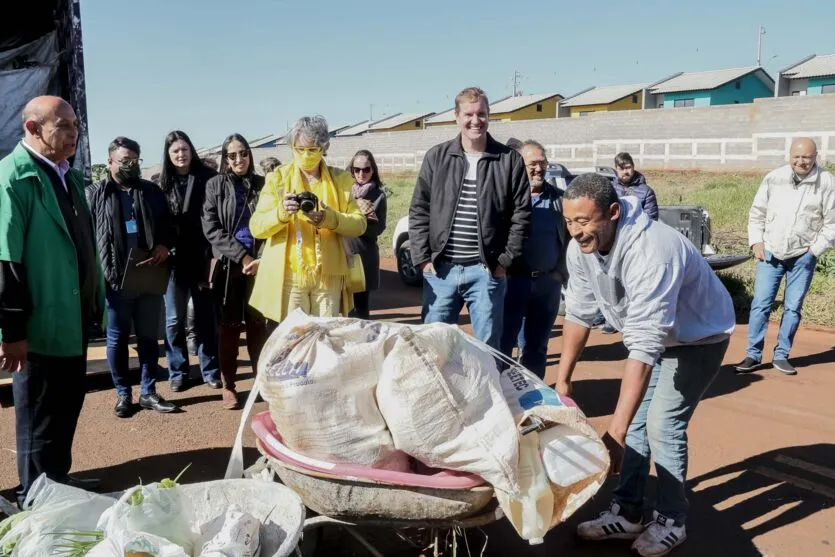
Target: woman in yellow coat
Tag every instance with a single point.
(304, 263)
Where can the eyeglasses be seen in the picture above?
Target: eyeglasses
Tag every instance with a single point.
(130, 162)
(536, 164)
(358, 170)
(237, 155)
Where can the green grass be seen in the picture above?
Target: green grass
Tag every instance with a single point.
(727, 197)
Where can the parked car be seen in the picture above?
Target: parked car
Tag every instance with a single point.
(691, 220)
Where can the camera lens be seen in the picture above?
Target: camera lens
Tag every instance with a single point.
(307, 205)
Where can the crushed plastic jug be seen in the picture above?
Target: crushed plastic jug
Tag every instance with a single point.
(532, 511)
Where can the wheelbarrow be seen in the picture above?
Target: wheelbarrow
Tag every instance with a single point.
(440, 503)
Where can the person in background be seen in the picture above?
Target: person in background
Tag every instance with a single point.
(155, 178)
(790, 225)
(231, 198)
(534, 282)
(630, 182)
(468, 221)
(210, 162)
(371, 199)
(51, 290)
(304, 264)
(653, 283)
(183, 181)
(129, 212)
(269, 164)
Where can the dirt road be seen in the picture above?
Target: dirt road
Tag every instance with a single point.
(762, 460)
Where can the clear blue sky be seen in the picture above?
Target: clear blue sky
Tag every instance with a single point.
(215, 67)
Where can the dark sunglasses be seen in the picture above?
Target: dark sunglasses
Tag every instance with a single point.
(238, 155)
(357, 169)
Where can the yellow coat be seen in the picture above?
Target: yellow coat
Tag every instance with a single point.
(269, 222)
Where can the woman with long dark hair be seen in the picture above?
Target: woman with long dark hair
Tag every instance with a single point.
(368, 192)
(231, 198)
(183, 181)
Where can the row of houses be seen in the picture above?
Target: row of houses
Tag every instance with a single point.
(814, 75)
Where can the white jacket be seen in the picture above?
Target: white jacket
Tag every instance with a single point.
(655, 286)
(792, 219)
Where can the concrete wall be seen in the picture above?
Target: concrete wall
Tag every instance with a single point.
(754, 135)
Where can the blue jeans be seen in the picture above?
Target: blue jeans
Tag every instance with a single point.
(530, 311)
(451, 286)
(659, 430)
(205, 328)
(798, 272)
(142, 311)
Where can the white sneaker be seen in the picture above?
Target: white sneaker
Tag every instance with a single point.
(661, 536)
(610, 526)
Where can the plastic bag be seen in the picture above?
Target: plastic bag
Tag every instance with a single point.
(319, 378)
(126, 543)
(237, 535)
(52, 508)
(155, 510)
(442, 401)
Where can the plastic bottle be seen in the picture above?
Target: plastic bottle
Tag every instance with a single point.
(569, 457)
(532, 512)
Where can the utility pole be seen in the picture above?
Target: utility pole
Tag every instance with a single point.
(517, 78)
(370, 112)
(760, 34)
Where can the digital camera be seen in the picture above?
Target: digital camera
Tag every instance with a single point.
(307, 201)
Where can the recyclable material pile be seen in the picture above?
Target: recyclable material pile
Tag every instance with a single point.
(383, 395)
(160, 519)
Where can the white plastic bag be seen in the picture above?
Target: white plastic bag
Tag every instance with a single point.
(122, 543)
(54, 508)
(319, 378)
(151, 509)
(237, 535)
(442, 401)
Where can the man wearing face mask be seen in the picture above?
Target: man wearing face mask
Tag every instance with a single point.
(130, 213)
(534, 283)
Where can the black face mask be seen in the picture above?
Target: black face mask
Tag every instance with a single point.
(128, 173)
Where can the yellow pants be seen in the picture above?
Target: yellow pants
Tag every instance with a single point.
(322, 300)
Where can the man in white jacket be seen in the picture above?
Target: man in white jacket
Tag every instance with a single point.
(652, 284)
(790, 225)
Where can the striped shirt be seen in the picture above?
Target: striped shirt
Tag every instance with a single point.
(463, 244)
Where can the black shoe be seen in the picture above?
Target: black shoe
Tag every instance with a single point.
(607, 329)
(215, 383)
(156, 402)
(87, 484)
(124, 407)
(783, 366)
(178, 385)
(747, 365)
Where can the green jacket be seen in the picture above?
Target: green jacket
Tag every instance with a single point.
(34, 234)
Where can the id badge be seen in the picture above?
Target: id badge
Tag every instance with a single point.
(130, 226)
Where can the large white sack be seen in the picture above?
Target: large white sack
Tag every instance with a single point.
(442, 400)
(319, 377)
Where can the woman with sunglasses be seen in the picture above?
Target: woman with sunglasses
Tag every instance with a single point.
(368, 192)
(304, 264)
(231, 198)
(183, 181)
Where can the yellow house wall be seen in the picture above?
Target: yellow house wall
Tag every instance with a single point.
(549, 110)
(623, 104)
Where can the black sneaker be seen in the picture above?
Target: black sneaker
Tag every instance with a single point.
(607, 329)
(783, 366)
(747, 365)
(156, 402)
(124, 407)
